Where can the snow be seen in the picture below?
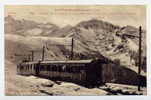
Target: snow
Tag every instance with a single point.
(38, 40)
(33, 32)
(132, 46)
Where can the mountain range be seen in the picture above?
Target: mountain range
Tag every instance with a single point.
(92, 39)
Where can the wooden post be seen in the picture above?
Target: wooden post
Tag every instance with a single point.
(43, 53)
(139, 67)
(72, 50)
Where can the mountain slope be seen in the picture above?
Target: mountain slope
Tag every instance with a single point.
(92, 39)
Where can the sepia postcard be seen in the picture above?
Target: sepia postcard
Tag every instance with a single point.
(75, 50)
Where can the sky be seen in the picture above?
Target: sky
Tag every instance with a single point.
(62, 15)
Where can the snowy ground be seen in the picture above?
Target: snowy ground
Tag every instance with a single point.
(31, 85)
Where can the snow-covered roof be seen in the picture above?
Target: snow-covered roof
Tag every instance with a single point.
(67, 61)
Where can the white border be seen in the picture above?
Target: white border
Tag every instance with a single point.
(74, 2)
(1, 50)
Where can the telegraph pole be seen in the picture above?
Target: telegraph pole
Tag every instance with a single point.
(139, 67)
(43, 53)
(72, 49)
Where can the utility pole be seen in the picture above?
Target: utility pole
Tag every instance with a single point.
(43, 53)
(139, 67)
(72, 50)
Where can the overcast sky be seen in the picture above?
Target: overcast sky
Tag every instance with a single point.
(134, 15)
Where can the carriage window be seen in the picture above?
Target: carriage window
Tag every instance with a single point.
(21, 68)
(48, 68)
(59, 68)
(73, 68)
(81, 68)
(30, 67)
(69, 69)
(76, 69)
(44, 67)
(54, 67)
(40, 68)
(27, 67)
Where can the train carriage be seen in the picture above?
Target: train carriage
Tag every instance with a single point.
(85, 72)
(27, 68)
(72, 70)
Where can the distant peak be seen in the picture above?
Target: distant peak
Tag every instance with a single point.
(96, 23)
(94, 20)
(67, 26)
